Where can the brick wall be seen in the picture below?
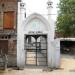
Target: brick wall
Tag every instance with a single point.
(5, 7)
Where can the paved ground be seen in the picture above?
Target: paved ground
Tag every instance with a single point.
(67, 68)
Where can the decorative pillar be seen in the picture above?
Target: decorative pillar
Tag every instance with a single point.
(23, 10)
(20, 40)
(51, 48)
(51, 22)
(53, 45)
(49, 3)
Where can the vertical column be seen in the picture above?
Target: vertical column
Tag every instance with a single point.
(49, 3)
(29, 39)
(49, 51)
(57, 53)
(20, 38)
(51, 22)
(51, 33)
(23, 10)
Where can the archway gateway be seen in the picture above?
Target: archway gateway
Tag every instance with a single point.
(36, 49)
(30, 49)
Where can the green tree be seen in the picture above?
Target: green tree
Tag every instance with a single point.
(66, 18)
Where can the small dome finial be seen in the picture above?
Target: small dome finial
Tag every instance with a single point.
(22, 5)
(49, 3)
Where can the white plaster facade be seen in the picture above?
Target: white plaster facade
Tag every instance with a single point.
(35, 23)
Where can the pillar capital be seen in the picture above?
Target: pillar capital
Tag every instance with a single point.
(49, 3)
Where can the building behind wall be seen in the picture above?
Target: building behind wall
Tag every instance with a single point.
(8, 29)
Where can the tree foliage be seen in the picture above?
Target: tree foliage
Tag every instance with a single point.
(66, 18)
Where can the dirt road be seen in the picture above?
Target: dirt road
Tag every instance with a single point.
(67, 68)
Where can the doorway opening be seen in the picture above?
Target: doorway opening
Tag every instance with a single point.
(36, 50)
(67, 47)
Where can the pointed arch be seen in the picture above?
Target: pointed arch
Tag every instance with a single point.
(38, 17)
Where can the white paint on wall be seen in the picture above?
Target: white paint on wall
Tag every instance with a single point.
(35, 23)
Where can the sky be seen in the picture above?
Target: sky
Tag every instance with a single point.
(40, 6)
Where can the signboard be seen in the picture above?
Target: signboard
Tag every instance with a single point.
(35, 32)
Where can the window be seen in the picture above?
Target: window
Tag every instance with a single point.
(8, 20)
